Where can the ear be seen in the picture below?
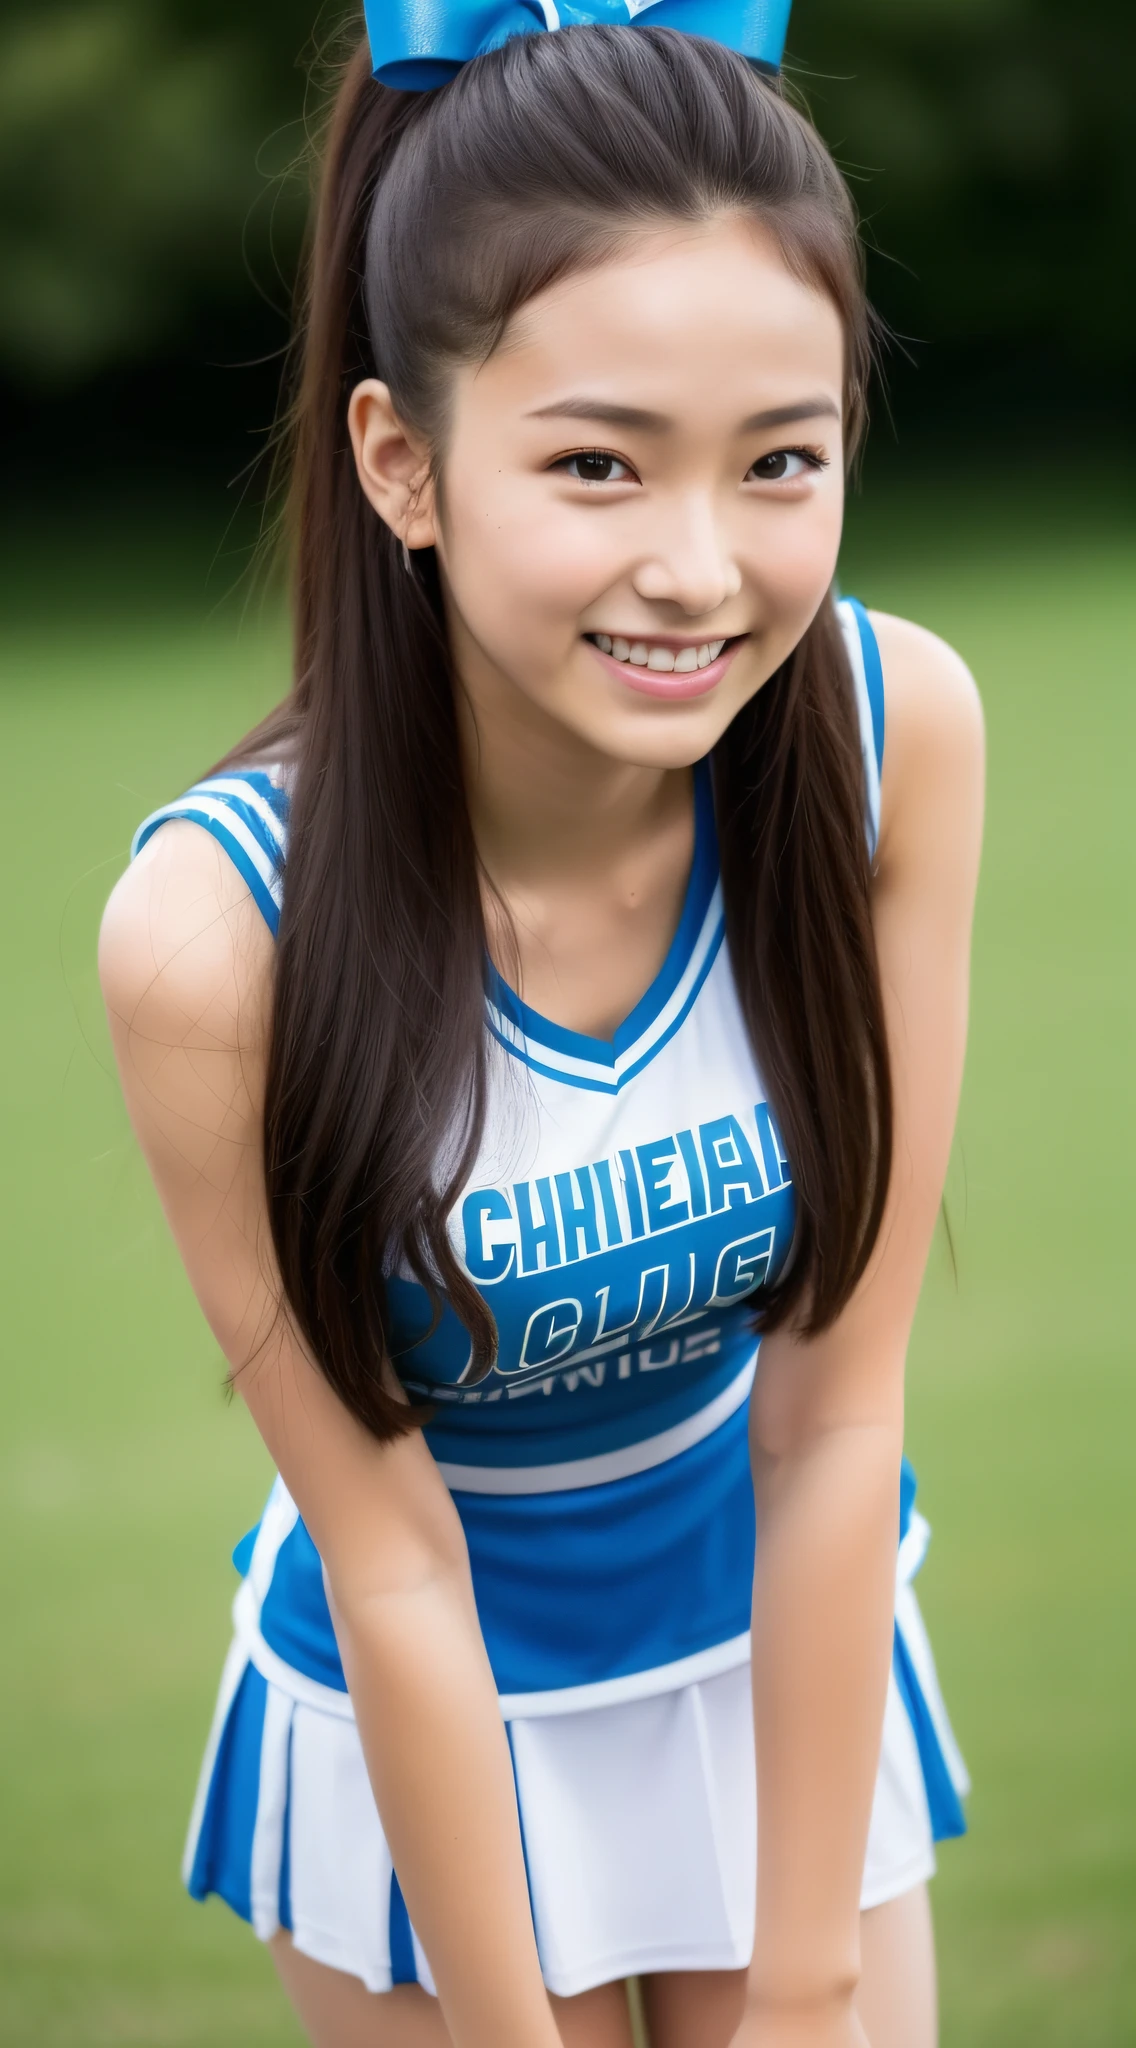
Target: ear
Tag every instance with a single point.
(393, 465)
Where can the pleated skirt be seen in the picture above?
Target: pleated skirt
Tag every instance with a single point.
(638, 1822)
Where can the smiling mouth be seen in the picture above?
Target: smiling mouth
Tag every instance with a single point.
(657, 656)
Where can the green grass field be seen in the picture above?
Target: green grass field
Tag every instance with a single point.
(127, 1476)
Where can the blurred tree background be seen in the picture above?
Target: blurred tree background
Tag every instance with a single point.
(152, 198)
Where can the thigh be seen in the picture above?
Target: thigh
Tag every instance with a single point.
(693, 2008)
(337, 2011)
(897, 1999)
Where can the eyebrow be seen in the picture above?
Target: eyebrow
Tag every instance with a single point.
(636, 419)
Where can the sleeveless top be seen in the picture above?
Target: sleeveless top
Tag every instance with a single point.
(628, 1198)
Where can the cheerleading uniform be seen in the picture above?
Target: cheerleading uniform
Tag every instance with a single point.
(628, 1198)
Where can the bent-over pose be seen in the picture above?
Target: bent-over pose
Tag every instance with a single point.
(564, 990)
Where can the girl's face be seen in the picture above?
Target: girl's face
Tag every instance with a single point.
(642, 493)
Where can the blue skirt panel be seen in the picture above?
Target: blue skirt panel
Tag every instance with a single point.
(579, 1587)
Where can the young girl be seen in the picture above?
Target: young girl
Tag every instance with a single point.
(565, 985)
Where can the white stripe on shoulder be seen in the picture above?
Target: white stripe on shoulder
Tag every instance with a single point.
(236, 785)
(606, 1465)
(196, 805)
(851, 632)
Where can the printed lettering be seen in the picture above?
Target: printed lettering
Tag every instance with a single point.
(742, 1266)
(679, 1314)
(551, 1332)
(662, 1208)
(649, 1363)
(693, 1165)
(592, 1376)
(701, 1344)
(732, 1173)
(772, 1151)
(631, 1192)
(578, 1217)
(643, 1318)
(486, 1263)
(602, 1171)
(537, 1237)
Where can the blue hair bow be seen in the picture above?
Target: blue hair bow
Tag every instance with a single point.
(419, 44)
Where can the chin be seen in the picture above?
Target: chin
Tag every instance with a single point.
(676, 740)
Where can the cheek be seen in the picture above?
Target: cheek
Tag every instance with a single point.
(798, 561)
(512, 557)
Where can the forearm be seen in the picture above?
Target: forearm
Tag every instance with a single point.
(401, 1596)
(824, 1592)
(439, 1763)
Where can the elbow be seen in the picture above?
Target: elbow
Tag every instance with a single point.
(788, 1425)
(420, 1579)
(397, 1630)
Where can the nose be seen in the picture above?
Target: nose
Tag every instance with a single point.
(690, 566)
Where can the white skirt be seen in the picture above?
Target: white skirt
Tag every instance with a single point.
(638, 1821)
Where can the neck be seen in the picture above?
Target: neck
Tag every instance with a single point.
(543, 802)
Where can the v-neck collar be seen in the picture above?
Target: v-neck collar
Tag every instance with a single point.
(607, 1063)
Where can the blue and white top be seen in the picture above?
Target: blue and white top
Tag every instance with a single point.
(628, 1198)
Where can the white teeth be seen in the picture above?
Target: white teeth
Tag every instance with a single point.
(662, 659)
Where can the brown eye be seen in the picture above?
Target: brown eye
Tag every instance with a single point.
(782, 463)
(596, 466)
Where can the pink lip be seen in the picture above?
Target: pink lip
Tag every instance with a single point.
(651, 682)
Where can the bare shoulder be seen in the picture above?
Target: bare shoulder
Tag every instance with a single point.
(935, 743)
(929, 688)
(185, 957)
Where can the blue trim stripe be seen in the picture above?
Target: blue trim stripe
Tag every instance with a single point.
(404, 1969)
(247, 815)
(700, 889)
(676, 1023)
(550, 1073)
(520, 1053)
(284, 1901)
(873, 675)
(947, 1816)
(258, 888)
(908, 1486)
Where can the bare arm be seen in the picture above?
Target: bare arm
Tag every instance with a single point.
(186, 965)
(827, 1415)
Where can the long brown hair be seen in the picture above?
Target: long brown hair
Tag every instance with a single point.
(439, 215)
